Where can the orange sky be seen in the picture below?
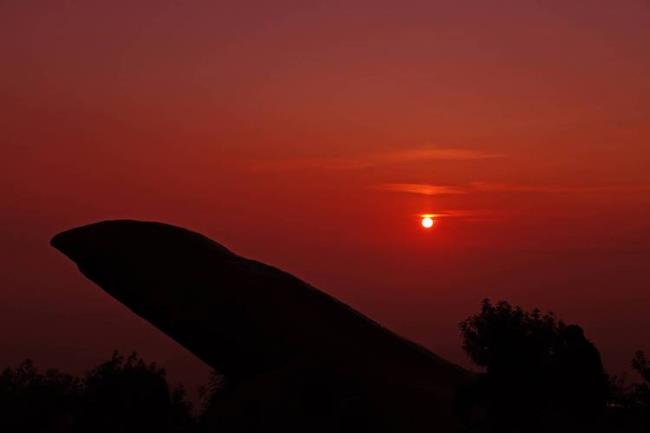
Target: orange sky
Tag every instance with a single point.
(310, 135)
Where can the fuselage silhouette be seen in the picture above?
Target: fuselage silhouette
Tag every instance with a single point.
(294, 358)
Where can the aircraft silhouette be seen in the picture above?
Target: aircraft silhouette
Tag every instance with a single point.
(295, 359)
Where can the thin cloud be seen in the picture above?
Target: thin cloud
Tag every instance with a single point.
(479, 187)
(422, 189)
(370, 160)
(505, 187)
(467, 214)
(436, 154)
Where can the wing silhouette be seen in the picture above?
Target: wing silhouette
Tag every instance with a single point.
(287, 347)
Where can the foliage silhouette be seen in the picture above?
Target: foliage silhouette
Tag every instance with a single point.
(32, 401)
(634, 400)
(120, 395)
(539, 373)
(127, 394)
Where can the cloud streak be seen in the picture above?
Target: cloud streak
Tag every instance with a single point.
(480, 187)
(365, 161)
(466, 214)
(422, 189)
(553, 189)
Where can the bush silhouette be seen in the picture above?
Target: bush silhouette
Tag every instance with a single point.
(120, 395)
(635, 398)
(538, 371)
(32, 401)
(127, 394)
(539, 375)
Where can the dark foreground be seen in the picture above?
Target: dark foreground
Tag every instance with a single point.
(293, 359)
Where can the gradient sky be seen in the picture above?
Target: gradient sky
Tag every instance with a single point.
(310, 135)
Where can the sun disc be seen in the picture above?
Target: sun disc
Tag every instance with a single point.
(427, 222)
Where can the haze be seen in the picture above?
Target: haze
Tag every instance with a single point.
(311, 135)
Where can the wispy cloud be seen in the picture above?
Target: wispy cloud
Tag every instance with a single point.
(432, 154)
(560, 189)
(478, 187)
(422, 189)
(466, 214)
(370, 160)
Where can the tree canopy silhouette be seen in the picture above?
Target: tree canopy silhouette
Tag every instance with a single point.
(32, 401)
(120, 395)
(538, 370)
(127, 394)
(540, 375)
(635, 398)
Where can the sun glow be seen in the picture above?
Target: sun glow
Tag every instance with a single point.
(427, 222)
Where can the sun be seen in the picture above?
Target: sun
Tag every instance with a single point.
(427, 222)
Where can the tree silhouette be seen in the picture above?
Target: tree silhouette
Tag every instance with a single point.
(538, 371)
(636, 398)
(129, 395)
(120, 395)
(32, 401)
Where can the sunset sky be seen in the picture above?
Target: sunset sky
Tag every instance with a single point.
(311, 135)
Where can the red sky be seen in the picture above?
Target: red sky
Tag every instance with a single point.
(310, 135)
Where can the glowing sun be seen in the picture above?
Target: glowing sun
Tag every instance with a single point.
(427, 222)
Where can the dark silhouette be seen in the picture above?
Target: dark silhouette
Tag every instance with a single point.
(632, 402)
(294, 358)
(32, 401)
(126, 394)
(582, 384)
(639, 396)
(129, 395)
(540, 375)
(120, 395)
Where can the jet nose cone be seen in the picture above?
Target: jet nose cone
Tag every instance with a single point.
(83, 243)
(69, 243)
(58, 241)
